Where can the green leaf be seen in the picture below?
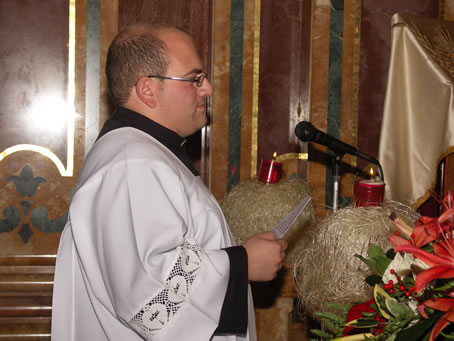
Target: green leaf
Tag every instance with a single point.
(381, 303)
(373, 279)
(368, 314)
(420, 329)
(325, 315)
(344, 309)
(374, 306)
(378, 261)
(399, 310)
(363, 323)
(447, 336)
(382, 264)
(332, 326)
(409, 281)
(370, 263)
(321, 333)
(445, 286)
(375, 251)
(390, 254)
(391, 338)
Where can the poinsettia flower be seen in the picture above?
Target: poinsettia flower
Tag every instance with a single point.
(441, 304)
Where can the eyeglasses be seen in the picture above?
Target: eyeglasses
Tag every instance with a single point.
(197, 79)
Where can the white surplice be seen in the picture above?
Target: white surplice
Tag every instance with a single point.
(140, 256)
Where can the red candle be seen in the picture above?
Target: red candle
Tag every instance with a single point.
(368, 193)
(270, 171)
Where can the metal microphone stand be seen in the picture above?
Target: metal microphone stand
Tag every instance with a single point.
(337, 174)
(336, 178)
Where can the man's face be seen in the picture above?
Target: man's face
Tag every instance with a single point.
(183, 103)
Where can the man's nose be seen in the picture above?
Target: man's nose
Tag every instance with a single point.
(206, 89)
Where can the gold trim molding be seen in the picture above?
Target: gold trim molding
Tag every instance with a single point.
(255, 89)
(292, 156)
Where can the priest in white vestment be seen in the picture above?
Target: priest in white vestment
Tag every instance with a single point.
(146, 253)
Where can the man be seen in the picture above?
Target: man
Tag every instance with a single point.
(146, 252)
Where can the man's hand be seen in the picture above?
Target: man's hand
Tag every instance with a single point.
(265, 256)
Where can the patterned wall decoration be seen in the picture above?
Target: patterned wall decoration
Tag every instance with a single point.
(26, 185)
(353, 113)
(235, 92)
(347, 44)
(40, 122)
(336, 39)
(257, 65)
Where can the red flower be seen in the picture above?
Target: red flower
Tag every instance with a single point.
(356, 311)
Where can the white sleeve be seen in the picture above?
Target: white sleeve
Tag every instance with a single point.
(143, 254)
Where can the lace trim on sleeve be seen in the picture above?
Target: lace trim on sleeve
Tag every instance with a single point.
(162, 308)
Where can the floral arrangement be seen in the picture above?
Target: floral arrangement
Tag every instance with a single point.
(413, 286)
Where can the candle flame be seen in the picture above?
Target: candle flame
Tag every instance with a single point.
(371, 172)
(274, 155)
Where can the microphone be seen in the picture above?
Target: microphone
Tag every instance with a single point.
(306, 132)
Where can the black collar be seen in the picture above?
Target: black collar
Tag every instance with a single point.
(123, 117)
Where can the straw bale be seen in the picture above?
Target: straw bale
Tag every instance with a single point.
(252, 207)
(327, 271)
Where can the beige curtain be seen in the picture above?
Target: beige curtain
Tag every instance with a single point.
(418, 118)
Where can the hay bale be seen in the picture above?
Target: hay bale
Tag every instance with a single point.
(252, 207)
(327, 270)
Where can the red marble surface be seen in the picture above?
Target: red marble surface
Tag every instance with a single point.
(33, 70)
(283, 75)
(375, 49)
(193, 17)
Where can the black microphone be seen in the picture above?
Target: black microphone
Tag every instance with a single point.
(306, 132)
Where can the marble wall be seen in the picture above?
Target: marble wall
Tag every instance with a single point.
(38, 124)
(272, 64)
(323, 61)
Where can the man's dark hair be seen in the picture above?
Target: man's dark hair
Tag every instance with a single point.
(136, 52)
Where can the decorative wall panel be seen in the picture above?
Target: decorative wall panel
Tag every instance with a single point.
(195, 18)
(37, 123)
(283, 75)
(41, 151)
(374, 62)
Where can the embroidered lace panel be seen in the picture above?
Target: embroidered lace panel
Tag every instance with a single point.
(165, 305)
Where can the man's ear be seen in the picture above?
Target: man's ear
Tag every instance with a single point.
(146, 91)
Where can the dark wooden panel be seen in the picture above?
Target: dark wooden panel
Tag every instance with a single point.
(449, 174)
(26, 297)
(33, 70)
(375, 49)
(284, 74)
(193, 17)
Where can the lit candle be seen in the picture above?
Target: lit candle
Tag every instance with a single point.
(368, 192)
(270, 171)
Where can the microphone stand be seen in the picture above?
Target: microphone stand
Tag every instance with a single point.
(336, 178)
(337, 173)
